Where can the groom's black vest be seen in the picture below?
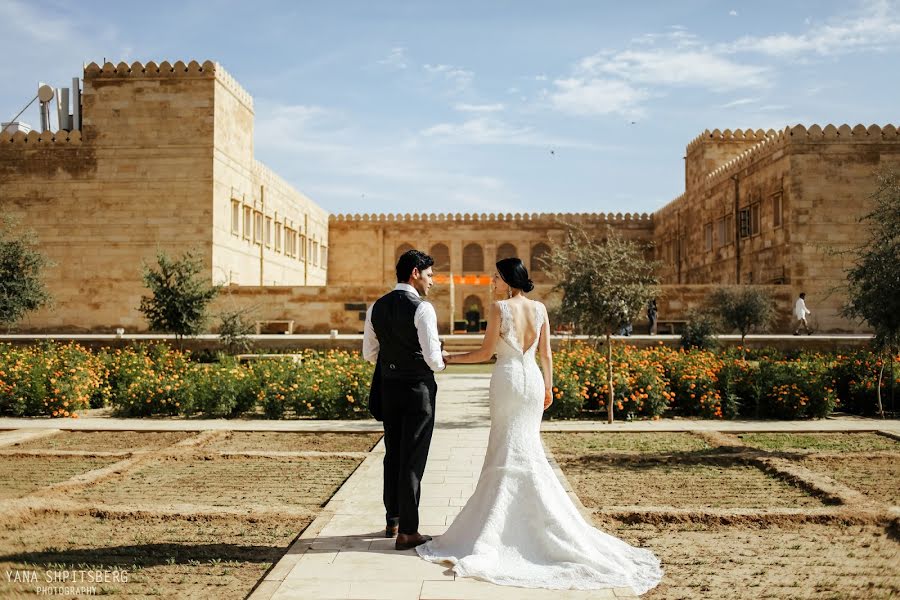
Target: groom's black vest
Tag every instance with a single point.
(399, 352)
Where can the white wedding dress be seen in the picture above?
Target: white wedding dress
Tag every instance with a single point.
(519, 527)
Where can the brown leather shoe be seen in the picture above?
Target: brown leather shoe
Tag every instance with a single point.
(408, 542)
(391, 531)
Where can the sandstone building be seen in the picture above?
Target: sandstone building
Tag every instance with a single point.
(164, 161)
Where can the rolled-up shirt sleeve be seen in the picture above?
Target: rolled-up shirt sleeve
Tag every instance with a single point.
(370, 340)
(426, 328)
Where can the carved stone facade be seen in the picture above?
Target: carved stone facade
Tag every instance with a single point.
(165, 162)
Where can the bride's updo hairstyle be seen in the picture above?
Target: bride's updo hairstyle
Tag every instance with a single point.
(515, 274)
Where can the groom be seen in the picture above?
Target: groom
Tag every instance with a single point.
(401, 336)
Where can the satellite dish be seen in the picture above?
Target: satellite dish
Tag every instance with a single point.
(45, 93)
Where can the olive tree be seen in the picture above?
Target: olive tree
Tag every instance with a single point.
(743, 307)
(22, 288)
(180, 295)
(873, 280)
(605, 284)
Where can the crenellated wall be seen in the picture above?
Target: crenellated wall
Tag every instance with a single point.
(804, 190)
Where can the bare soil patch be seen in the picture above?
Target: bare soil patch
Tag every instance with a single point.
(162, 557)
(247, 483)
(105, 440)
(821, 442)
(277, 441)
(578, 444)
(710, 482)
(21, 475)
(808, 561)
(875, 476)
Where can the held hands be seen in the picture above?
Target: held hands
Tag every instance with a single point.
(548, 398)
(446, 356)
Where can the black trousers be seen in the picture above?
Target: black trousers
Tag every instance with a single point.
(408, 413)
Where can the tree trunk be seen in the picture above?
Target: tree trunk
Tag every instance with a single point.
(743, 347)
(880, 379)
(612, 395)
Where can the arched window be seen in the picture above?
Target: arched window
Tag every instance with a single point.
(401, 249)
(506, 251)
(538, 252)
(441, 255)
(473, 258)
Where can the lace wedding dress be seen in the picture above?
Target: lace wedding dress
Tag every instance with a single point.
(519, 527)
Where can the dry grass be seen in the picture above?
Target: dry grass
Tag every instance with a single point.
(820, 442)
(578, 444)
(162, 557)
(23, 475)
(875, 476)
(101, 441)
(276, 441)
(807, 561)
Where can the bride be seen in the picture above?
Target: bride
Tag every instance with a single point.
(519, 527)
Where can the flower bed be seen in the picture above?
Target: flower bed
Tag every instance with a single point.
(660, 381)
(62, 380)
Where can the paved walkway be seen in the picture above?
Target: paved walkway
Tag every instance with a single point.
(343, 553)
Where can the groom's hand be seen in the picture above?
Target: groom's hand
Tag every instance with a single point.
(548, 398)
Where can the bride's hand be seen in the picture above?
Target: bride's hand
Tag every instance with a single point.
(548, 398)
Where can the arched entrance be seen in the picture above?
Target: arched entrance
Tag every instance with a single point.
(473, 311)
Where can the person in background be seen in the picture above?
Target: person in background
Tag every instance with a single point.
(800, 313)
(652, 313)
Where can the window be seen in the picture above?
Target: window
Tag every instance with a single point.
(539, 253)
(729, 229)
(303, 248)
(473, 258)
(236, 217)
(315, 254)
(441, 255)
(277, 236)
(776, 210)
(290, 241)
(257, 227)
(506, 251)
(248, 222)
(309, 250)
(401, 250)
(268, 232)
(749, 220)
(324, 261)
(708, 236)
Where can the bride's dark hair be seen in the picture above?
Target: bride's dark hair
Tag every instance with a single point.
(514, 273)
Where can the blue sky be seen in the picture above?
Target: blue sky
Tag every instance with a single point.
(488, 106)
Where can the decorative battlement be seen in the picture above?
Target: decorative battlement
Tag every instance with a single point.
(208, 69)
(34, 137)
(494, 217)
(800, 134)
(738, 135)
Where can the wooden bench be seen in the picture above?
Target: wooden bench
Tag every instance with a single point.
(289, 324)
(297, 358)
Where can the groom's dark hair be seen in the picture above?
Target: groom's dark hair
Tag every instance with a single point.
(409, 260)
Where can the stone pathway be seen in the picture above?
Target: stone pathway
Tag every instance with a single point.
(343, 554)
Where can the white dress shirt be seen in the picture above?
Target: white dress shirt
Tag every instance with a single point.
(800, 310)
(425, 321)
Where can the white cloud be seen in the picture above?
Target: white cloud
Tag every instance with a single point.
(739, 102)
(540, 78)
(591, 96)
(701, 68)
(877, 27)
(460, 78)
(396, 58)
(485, 131)
(732, 13)
(480, 108)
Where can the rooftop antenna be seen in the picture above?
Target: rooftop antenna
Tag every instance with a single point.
(45, 95)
